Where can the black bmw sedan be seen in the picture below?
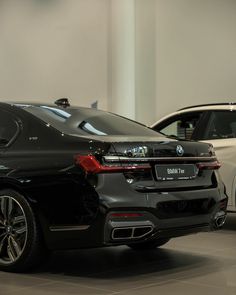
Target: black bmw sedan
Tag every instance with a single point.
(73, 177)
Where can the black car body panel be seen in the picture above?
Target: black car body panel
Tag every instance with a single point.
(77, 209)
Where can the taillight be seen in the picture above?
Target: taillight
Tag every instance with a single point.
(223, 204)
(91, 165)
(208, 165)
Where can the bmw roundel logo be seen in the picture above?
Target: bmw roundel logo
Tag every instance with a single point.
(179, 150)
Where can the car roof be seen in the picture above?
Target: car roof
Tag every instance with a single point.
(39, 104)
(23, 102)
(211, 106)
(196, 108)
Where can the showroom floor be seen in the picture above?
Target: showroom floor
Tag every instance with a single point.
(198, 264)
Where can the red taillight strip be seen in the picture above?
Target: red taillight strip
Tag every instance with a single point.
(91, 165)
(209, 165)
(223, 204)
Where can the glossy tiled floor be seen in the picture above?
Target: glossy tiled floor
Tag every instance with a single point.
(199, 264)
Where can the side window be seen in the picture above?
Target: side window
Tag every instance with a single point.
(181, 126)
(8, 128)
(222, 124)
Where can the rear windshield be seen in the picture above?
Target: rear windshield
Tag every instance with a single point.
(83, 121)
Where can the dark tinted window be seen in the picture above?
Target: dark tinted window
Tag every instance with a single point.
(85, 121)
(180, 126)
(8, 128)
(222, 124)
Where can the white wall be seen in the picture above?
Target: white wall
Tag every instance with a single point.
(185, 54)
(145, 61)
(122, 59)
(132, 59)
(139, 58)
(195, 53)
(54, 48)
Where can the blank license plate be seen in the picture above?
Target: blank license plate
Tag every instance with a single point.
(175, 172)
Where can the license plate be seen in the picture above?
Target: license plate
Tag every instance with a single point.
(176, 172)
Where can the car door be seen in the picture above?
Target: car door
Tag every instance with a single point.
(220, 131)
(8, 132)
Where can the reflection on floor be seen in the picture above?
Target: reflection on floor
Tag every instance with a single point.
(198, 264)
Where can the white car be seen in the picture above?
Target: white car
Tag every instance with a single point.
(214, 123)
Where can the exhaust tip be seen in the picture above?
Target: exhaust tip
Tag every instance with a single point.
(134, 232)
(220, 219)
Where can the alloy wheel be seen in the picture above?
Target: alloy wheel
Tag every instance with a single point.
(13, 230)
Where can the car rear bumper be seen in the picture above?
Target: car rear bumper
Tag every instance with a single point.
(110, 229)
(148, 226)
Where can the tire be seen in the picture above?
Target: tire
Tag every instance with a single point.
(21, 242)
(149, 245)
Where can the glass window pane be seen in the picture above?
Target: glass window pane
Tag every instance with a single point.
(222, 124)
(86, 121)
(8, 128)
(182, 127)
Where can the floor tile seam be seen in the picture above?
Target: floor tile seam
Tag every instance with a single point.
(200, 284)
(230, 233)
(212, 254)
(140, 287)
(91, 276)
(124, 267)
(67, 283)
(216, 255)
(25, 276)
(29, 287)
(182, 273)
(162, 273)
(115, 291)
(87, 286)
(196, 248)
(53, 281)
(190, 250)
(225, 232)
(225, 249)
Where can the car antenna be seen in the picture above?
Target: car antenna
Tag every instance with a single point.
(62, 102)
